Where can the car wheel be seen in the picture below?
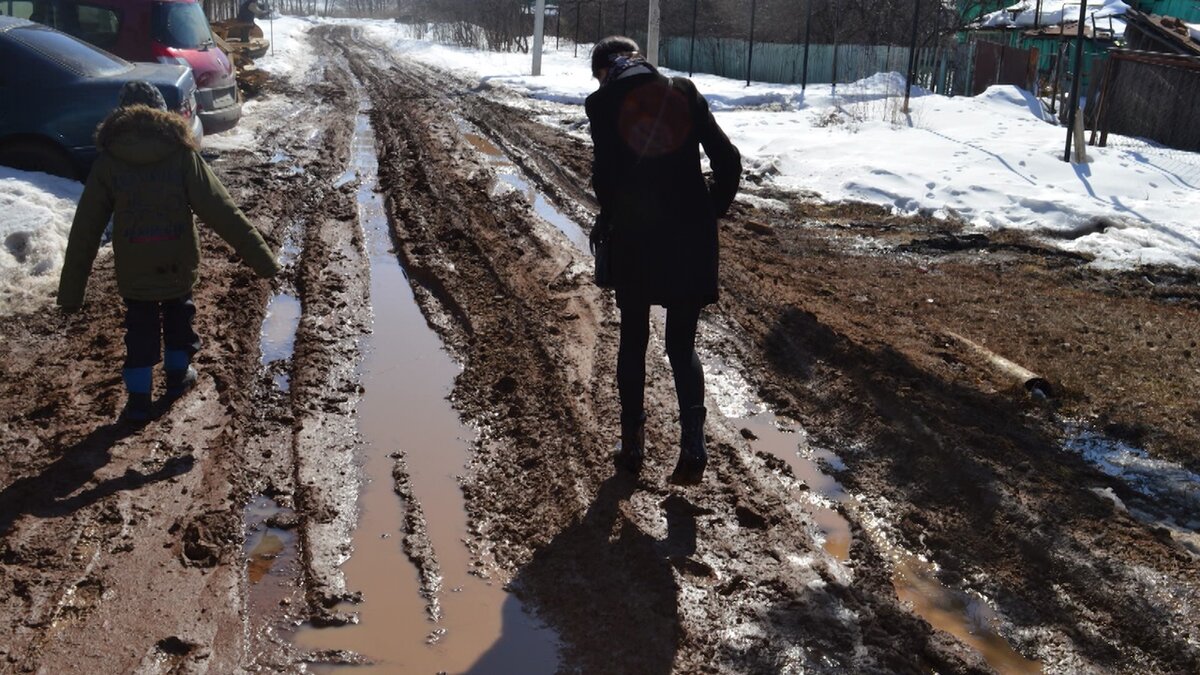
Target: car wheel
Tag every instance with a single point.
(38, 155)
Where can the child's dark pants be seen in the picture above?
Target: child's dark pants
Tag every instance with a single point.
(150, 323)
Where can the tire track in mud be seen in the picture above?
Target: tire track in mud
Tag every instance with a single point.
(635, 576)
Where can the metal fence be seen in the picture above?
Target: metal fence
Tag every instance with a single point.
(946, 70)
(1153, 96)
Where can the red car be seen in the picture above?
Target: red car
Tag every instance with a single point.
(166, 31)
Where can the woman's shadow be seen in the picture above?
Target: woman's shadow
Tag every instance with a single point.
(52, 493)
(606, 589)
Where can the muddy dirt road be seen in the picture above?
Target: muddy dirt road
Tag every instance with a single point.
(880, 497)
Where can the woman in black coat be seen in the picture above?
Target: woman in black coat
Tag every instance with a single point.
(659, 216)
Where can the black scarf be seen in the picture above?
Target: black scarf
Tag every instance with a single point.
(620, 63)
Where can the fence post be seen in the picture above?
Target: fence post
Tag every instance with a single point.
(692, 56)
(912, 55)
(750, 51)
(807, 35)
(557, 26)
(1078, 79)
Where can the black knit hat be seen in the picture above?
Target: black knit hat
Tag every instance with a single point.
(141, 92)
(609, 47)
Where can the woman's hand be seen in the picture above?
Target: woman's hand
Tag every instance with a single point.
(599, 233)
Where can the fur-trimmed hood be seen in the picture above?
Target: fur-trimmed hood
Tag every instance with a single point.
(139, 134)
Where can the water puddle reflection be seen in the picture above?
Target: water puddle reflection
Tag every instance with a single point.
(272, 558)
(510, 174)
(964, 615)
(278, 338)
(404, 410)
(789, 442)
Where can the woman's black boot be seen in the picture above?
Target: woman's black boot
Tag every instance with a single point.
(633, 443)
(693, 456)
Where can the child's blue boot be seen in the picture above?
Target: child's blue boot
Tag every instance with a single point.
(137, 383)
(181, 376)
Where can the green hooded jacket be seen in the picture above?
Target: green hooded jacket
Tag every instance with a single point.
(149, 178)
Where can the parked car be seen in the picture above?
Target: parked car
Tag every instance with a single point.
(55, 90)
(166, 31)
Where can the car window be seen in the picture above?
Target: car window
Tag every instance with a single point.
(67, 52)
(181, 25)
(97, 25)
(22, 9)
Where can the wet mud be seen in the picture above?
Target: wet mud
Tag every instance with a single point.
(879, 498)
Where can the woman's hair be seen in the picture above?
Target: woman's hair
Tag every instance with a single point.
(614, 45)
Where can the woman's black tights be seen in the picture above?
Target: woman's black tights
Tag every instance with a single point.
(681, 351)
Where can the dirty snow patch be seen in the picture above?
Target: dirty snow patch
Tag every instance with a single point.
(38, 210)
(1155, 478)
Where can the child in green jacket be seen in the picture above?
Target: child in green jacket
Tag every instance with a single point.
(149, 179)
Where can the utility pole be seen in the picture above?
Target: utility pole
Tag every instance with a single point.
(539, 27)
(653, 26)
(912, 55)
(1075, 82)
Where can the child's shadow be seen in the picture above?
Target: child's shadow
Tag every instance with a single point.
(52, 493)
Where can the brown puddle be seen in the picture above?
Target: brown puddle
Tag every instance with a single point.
(965, 616)
(272, 559)
(407, 377)
(509, 173)
(789, 443)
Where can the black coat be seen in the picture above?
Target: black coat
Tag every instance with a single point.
(647, 131)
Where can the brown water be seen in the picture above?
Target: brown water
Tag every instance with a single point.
(272, 560)
(510, 174)
(788, 442)
(407, 377)
(963, 615)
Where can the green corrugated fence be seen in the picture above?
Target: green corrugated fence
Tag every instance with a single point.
(943, 70)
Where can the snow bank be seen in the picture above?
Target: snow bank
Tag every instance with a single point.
(290, 57)
(37, 217)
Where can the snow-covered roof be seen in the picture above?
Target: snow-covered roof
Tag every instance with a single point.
(1025, 14)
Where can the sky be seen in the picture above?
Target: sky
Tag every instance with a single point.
(992, 160)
